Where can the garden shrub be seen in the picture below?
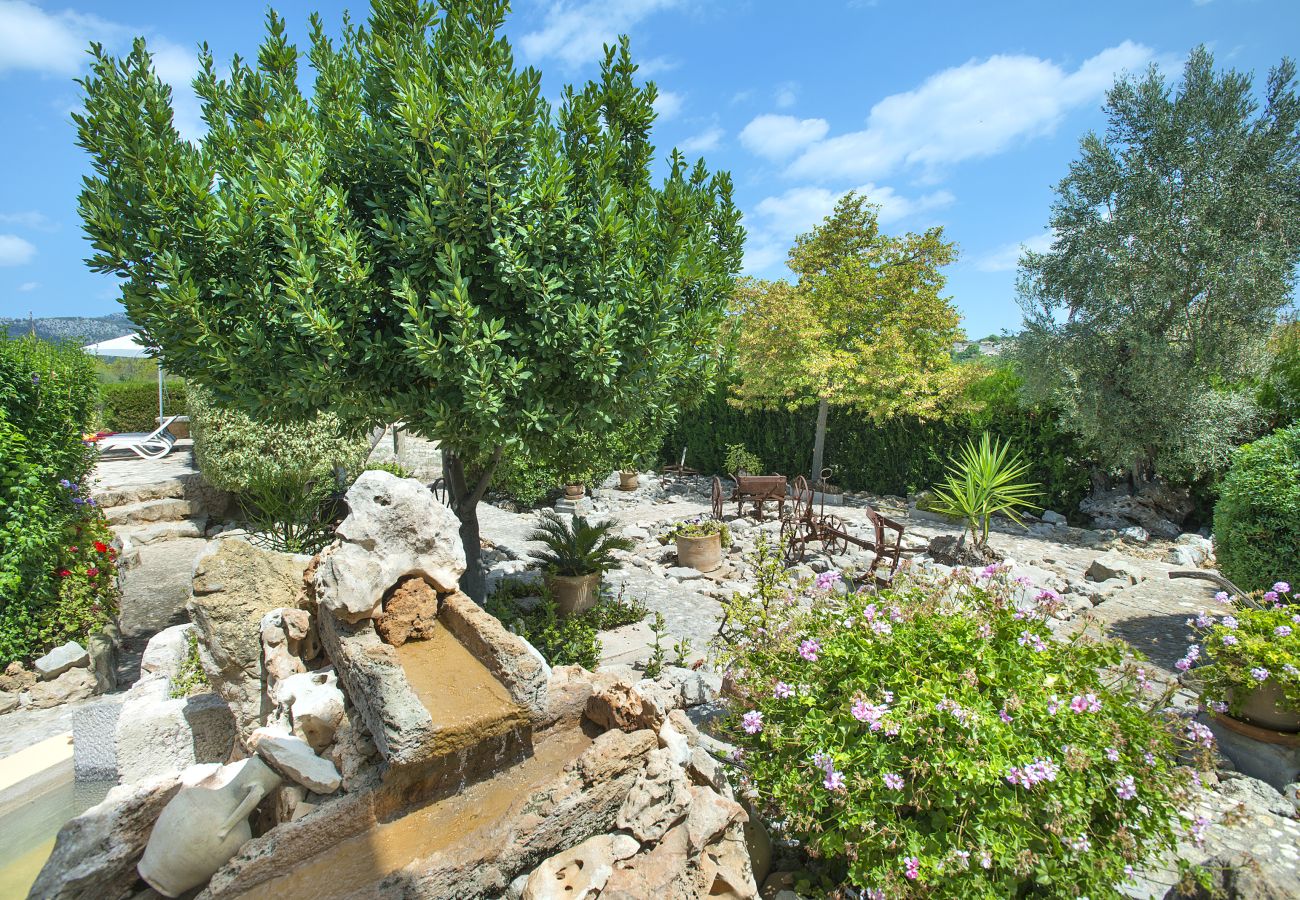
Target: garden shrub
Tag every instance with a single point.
(898, 456)
(50, 393)
(133, 405)
(932, 741)
(528, 610)
(1257, 518)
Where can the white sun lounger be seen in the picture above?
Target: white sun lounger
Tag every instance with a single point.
(147, 445)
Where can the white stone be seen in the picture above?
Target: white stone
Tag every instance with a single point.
(166, 651)
(59, 660)
(293, 757)
(315, 706)
(158, 734)
(684, 573)
(1137, 534)
(1051, 517)
(395, 527)
(580, 872)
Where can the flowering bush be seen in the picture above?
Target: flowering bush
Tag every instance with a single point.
(932, 740)
(1246, 648)
(699, 526)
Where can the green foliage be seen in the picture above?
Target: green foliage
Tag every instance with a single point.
(616, 610)
(562, 640)
(698, 526)
(1279, 390)
(392, 467)
(190, 677)
(984, 481)
(654, 666)
(1257, 518)
(420, 237)
(576, 546)
(738, 459)
(116, 369)
(901, 455)
(293, 512)
(133, 405)
(236, 452)
(1246, 649)
(931, 740)
(1176, 241)
(49, 394)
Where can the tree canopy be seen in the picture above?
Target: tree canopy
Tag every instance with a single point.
(1176, 239)
(421, 237)
(864, 326)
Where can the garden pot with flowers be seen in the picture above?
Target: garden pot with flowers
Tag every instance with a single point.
(699, 542)
(1248, 661)
(577, 554)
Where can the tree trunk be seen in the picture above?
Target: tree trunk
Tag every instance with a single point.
(819, 442)
(464, 501)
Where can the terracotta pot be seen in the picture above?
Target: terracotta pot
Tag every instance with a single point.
(575, 491)
(704, 554)
(203, 827)
(627, 481)
(1265, 706)
(574, 593)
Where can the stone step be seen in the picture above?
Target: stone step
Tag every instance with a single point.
(135, 535)
(164, 489)
(167, 509)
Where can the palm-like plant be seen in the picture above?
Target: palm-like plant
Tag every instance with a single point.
(983, 481)
(577, 548)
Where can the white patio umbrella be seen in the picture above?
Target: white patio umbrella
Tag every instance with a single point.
(128, 345)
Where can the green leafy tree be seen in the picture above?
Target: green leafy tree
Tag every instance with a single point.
(420, 238)
(864, 326)
(1177, 235)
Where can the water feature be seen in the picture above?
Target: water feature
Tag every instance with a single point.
(31, 822)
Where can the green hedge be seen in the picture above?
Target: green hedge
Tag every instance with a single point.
(1257, 519)
(133, 405)
(900, 456)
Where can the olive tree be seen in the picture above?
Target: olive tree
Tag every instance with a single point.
(420, 237)
(1176, 239)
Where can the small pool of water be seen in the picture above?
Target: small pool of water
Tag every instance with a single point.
(29, 827)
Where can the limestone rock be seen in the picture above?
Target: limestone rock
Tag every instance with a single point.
(74, 684)
(581, 872)
(567, 692)
(102, 647)
(8, 702)
(157, 733)
(235, 586)
(710, 815)
(354, 754)
(658, 800)
(315, 706)
(410, 611)
(1239, 876)
(1156, 507)
(1108, 566)
(288, 643)
(725, 867)
(516, 663)
(672, 740)
(395, 527)
(166, 651)
(660, 872)
(622, 706)
(293, 758)
(59, 660)
(1254, 792)
(1053, 518)
(16, 678)
(95, 854)
(695, 685)
(1190, 550)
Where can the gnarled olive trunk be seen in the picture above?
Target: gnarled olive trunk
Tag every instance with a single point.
(464, 499)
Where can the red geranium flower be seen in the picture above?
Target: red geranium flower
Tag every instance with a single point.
(101, 547)
(64, 573)
(92, 572)
(72, 549)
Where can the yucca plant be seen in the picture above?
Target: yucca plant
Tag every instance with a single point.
(983, 481)
(577, 548)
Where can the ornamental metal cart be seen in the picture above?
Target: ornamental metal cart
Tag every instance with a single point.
(756, 489)
(808, 521)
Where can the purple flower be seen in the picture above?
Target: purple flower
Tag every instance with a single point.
(1112, 754)
(1004, 715)
(913, 867)
(809, 650)
(1229, 622)
(1282, 587)
(985, 631)
(1222, 597)
(880, 626)
(1217, 705)
(1270, 596)
(834, 781)
(1038, 771)
(1053, 704)
(1197, 734)
(821, 760)
(986, 861)
(36, 379)
(1282, 631)
(1229, 640)
(782, 691)
(1204, 620)
(1259, 673)
(826, 580)
(1028, 639)
(1078, 845)
(989, 571)
(893, 781)
(1125, 788)
(752, 722)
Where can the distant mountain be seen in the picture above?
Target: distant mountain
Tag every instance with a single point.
(85, 329)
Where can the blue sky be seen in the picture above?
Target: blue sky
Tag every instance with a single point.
(957, 114)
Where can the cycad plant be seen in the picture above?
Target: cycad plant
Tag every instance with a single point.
(983, 481)
(577, 548)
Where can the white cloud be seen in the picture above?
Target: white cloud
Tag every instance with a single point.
(667, 105)
(37, 221)
(28, 286)
(51, 43)
(786, 94)
(977, 109)
(14, 251)
(705, 140)
(1007, 257)
(779, 137)
(778, 219)
(576, 33)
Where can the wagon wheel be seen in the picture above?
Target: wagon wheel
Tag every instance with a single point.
(833, 531)
(794, 537)
(717, 498)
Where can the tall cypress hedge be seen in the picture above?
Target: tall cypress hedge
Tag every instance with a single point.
(898, 456)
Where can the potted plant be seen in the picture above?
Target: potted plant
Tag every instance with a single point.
(699, 542)
(983, 482)
(577, 554)
(1250, 662)
(739, 461)
(628, 479)
(575, 490)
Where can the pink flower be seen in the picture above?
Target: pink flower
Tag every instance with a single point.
(1086, 703)
(752, 722)
(1028, 639)
(893, 781)
(826, 580)
(809, 650)
(1125, 788)
(913, 868)
(782, 691)
(1004, 715)
(1282, 587)
(1112, 754)
(1270, 596)
(834, 781)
